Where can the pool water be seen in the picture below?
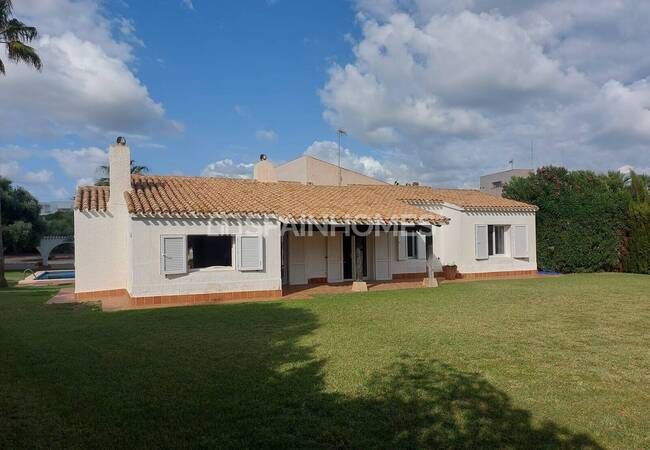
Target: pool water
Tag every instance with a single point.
(58, 275)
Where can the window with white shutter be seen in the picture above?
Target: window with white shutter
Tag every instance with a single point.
(520, 241)
(173, 255)
(481, 241)
(249, 252)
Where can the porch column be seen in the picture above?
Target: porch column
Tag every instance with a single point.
(430, 280)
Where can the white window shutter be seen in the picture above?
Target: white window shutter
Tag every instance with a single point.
(249, 252)
(520, 241)
(402, 251)
(481, 232)
(173, 255)
(422, 246)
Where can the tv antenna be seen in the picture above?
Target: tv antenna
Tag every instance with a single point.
(340, 132)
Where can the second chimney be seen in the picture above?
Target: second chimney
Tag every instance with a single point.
(264, 170)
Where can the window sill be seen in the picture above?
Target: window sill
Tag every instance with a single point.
(213, 269)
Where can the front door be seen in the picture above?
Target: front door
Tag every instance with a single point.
(350, 244)
(348, 257)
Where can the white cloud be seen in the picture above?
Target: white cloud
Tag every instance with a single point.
(11, 168)
(86, 86)
(367, 165)
(226, 168)
(266, 135)
(188, 4)
(16, 173)
(80, 163)
(449, 90)
(85, 181)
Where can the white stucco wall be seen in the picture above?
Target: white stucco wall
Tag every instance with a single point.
(308, 169)
(146, 278)
(100, 251)
(455, 243)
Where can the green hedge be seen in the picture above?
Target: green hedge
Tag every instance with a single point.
(636, 256)
(582, 218)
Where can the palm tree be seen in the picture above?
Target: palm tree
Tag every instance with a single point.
(105, 171)
(14, 34)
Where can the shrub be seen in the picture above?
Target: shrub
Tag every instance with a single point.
(581, 218)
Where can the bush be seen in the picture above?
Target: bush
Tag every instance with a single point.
(637, 252)
(60, 223)
(20, 236)
(581, 218)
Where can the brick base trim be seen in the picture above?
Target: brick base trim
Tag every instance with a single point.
(494, 275)
(97, 295)
(409, 276)
(322, 280)
(192, 299)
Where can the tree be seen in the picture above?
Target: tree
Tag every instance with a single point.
(14, 35)
(105, 171)
(60, 223)
(21, 221)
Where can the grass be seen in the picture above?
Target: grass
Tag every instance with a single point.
(558, 362)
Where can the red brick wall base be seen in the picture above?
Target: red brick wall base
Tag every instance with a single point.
(216, 297)
(493, 275)
(97, 295)
(408, 276)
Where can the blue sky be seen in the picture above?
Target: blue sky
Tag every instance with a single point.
(436, 91)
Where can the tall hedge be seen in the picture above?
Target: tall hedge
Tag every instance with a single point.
(581, 220)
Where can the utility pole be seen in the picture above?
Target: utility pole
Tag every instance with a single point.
(340, 132)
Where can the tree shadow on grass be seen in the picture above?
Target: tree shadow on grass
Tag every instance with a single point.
(242, 376)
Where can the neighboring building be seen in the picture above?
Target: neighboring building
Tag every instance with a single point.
(173, 239)
(52, 207)
(493, 183)
(310, 170)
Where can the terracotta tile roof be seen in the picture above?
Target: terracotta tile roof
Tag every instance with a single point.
(91, 198)
(470, 199)
(181, 196)
(174, 195)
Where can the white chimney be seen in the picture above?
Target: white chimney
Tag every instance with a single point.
(264, 171)
(119, 164)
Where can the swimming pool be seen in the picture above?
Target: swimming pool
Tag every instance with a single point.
(55, 275)
(49, 278)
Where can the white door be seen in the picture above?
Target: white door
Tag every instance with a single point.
(382, 256)
(297, 267)
(334, 260)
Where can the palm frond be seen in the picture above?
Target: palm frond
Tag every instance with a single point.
(20, 52)
(6, 8)
(15, 30)
(137, 170)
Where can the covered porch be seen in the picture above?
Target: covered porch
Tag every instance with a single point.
(348, 255)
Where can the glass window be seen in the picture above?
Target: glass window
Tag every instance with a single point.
(496, 240)
(209, 251)
(412, 246)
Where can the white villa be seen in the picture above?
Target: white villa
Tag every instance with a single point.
(175, 239)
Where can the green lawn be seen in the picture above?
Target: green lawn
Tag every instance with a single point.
(558, 362)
